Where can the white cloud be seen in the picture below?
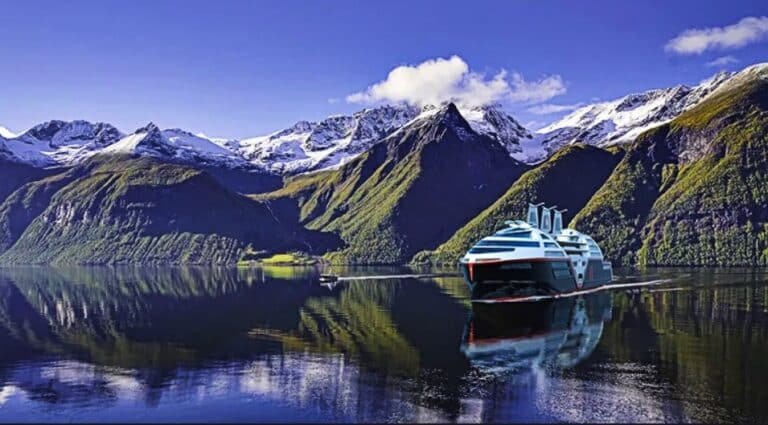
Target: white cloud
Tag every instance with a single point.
(695, 41)
(536, 91)
(438, 80)
(722, 61)
(551, 108)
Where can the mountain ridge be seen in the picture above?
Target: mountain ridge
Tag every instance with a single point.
(400, 197)
(305, 146)
(622, 120)
(315, 145)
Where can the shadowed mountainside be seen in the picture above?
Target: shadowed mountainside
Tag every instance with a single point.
(562, 180)
(410, 192)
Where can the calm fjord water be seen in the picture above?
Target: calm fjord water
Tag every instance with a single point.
(197, 344)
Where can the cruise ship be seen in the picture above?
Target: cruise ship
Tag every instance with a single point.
(534, 257)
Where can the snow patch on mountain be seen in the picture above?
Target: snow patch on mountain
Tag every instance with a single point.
(329, 143)
(623, 119)
(752, 72)
(492, 121)
(6, 134)
(176, 144)
(59, 142)
(305, 146)
(308, 146)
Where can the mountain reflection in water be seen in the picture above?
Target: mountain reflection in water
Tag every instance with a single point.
(194, 344)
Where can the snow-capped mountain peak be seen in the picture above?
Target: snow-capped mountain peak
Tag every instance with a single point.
(304, 146)
(308, 146)
(328, 143)
(315, 145)
(178, 145)
(727, 80)
(492, 121)
(622, 120)
(57, 142)
(62, 133)
(145, 140)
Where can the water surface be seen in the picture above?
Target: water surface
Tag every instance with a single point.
(202, 344)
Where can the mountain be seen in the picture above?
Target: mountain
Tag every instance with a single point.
(305, 146)
(168, 196)
(28, 201)
(692, 191)
(62, 143)
(492, 121)
(567, 179)
(176, 145)
(388, 183)
(5, 153)
(59, 142)
(121, 209)
(329, 143)
(409, 192)
(623, 119)
(315, 145)
(311, 146)
(14, 174)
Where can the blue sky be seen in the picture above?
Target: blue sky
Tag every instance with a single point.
(244, 68)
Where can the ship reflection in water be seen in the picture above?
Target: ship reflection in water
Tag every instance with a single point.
(517, 336)
(178, 344)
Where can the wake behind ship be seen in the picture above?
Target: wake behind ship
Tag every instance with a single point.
(534, 258)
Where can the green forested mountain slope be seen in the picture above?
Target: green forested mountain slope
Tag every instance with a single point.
(23, 205)
(568, 179)
(693, 191)
(408, 193)
(126, 210)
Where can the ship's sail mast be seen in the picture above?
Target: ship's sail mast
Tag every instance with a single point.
(557, 223)
(546, 220)
(533, 215)
(551, 218)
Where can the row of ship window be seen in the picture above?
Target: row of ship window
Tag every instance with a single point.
(485, 247)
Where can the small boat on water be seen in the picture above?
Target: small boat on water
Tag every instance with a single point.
(535, 257)
(328, 278)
